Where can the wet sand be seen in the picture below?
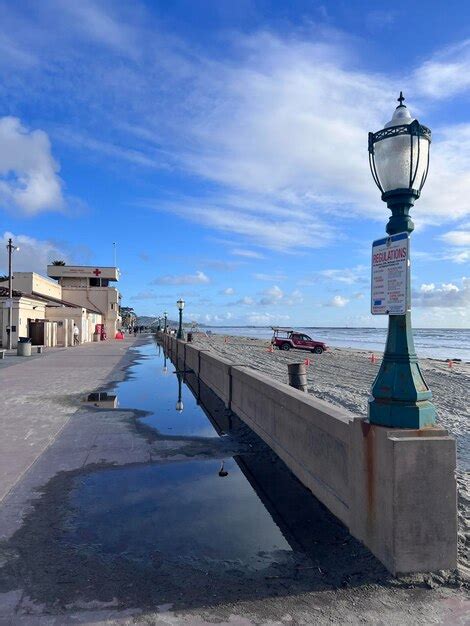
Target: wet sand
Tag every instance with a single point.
(344, 377)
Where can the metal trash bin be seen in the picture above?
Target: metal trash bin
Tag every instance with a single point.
(298, 376)
(96, 336)
(190, 337)
(24, 346)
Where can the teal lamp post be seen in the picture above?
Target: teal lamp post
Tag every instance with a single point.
(165, 321)
(180, 305)
(399, 161)
(179, 403)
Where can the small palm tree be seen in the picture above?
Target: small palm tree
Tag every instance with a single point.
(58, 262)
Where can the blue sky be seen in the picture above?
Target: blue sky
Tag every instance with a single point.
(223, 146)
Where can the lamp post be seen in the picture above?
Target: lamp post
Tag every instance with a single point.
(10, 248)
(399, 161)
(165, 318)
(179, 404)
(180, 305)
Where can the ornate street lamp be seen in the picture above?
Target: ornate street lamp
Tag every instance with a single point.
(399, 161)
(165, 317)
(179, 404)
(180, 305)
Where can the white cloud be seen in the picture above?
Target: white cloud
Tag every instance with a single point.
(271, 296)
(348, 275)
(446, 295)
(229, 291)
(276, 277)
(295, 297)
(427, 288)
(199, 278)
(446, 73)
(274, 296)
(29, 178)
(265, 319)
(457, 237)
(249, 254)
(245, 301)
(275, 227)
(337, 301)
(33, 256)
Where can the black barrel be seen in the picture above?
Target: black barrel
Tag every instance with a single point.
(298, 376)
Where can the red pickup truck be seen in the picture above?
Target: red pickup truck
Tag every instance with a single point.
(288, 338)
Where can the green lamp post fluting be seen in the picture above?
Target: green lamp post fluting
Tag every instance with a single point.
(399, 161)
(165, 321)
(180, 305)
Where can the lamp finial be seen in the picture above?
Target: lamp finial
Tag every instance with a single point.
(400, 100)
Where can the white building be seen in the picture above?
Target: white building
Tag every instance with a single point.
(39, 312)
(44, 308)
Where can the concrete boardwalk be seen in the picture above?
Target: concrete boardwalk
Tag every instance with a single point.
(51, 441)
(39, 394)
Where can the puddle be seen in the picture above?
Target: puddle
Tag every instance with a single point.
(182, 511)
(154, 387)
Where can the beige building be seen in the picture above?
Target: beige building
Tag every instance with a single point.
(90, 287)
(40, 311)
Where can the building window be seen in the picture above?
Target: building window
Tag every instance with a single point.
(99, 282)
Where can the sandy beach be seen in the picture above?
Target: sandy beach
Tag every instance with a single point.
(344, 377)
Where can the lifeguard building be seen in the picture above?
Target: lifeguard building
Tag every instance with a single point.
(46, 310)
(89, 286)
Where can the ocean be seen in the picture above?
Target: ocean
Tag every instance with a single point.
(436, 343)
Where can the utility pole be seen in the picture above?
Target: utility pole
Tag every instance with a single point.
(10, 248)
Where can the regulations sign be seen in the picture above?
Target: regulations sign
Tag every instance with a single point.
(390, 267)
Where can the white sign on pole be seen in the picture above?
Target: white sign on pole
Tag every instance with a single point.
(390, 267)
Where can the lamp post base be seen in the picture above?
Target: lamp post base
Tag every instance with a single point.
(400, 395)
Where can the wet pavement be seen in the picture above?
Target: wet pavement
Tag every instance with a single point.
(142, 519)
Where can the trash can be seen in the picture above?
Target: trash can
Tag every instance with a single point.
(297, 375)
(190, 337)
(96, 336)
(24, 346)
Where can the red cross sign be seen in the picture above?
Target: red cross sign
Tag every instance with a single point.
(97, 272)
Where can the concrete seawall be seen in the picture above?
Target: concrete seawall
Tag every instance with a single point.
(394, 489)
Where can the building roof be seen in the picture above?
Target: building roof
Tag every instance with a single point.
(5, 293)
(83, 271)
(48, 300)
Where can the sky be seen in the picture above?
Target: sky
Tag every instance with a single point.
(222, 146)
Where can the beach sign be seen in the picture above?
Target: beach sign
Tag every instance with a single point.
(390, 268)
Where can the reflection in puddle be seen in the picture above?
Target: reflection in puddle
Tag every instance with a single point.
(103, 400)
(154, 387)
(180, 511)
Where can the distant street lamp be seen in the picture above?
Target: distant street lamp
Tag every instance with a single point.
(180, 305)
(165, 318)
(399, 161)
(10, 248)
(179, 404)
